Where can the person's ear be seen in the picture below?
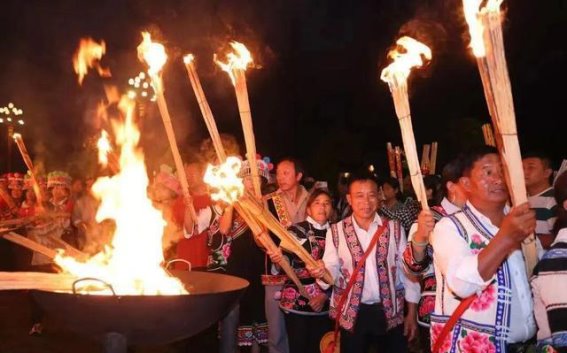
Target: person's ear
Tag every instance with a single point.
(349, 199)
(298, 177)
(466, 183)
(548, 172)
(565, 205)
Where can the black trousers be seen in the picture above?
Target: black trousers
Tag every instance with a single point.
(304, 332)
(370, 329)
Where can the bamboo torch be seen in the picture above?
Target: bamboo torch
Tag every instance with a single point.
(425, 159)
(396, 75)
(391, 159)
(433, 162)
(153, 54)
(399, 169)
(189, 61)
(488, 47)
(235, 66)
(27, 160)
(488, 135)
(257, 229)
(227, 186)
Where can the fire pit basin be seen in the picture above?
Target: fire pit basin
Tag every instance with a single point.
(146, 320)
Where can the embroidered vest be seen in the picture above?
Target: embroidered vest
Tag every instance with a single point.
(391, 295)
(485, 324)
(277, 207)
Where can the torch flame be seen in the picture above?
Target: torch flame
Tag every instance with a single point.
(187, 59)
(88, 56)
(104, 147)
(152, 53)
(225, 180)
(472, 15)
(403, 62)
(240, 59)
(132, 264)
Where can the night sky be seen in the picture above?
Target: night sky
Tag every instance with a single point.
(317, 94)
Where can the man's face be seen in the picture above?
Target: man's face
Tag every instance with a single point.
(486, 181)
(286, 176)
(535, 171)
(363, 198)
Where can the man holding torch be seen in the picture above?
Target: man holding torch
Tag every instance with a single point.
(483, 299)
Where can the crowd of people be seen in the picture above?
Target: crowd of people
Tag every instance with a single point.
(448, 279)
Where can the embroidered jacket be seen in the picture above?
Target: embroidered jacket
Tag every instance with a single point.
(486, 326)
(277, 205)
(343, 252)
(312, 238)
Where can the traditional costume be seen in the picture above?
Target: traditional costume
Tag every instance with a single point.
(305, 327)
(502, 313)
(381, 286)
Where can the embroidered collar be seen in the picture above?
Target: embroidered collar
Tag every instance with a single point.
(449, 207)
(376, 221)
(316, 225)
(481, 217)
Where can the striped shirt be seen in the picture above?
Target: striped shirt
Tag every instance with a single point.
(549, 287)
(545, 207)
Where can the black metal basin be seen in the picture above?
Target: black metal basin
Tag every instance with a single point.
(146, 320)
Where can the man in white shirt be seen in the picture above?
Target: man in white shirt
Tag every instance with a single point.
(477, 252)
(374, 306)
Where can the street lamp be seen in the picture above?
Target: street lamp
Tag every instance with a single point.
(11, 116)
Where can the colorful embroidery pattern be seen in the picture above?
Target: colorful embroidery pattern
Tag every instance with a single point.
(281, 210)
(247, 335)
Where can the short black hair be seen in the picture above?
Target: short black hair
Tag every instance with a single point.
(361, 175)
(296, 164)
(315, 194)
(542, 156)
(468, 158)
(452, 172)
(393, 182)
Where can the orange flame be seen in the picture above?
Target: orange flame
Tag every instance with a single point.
(132, 264)
(88, 56)
(404, 61)
(152, 53)
(240, 59)
(472, 15)
(225, 180)
(104, 147)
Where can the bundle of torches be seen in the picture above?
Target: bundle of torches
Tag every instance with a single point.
(116, 264)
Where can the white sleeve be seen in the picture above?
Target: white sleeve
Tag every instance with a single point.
(412, 231)
(411, 286)
(204, 218)
(330, 258)
(540, 312)
(455, 260)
